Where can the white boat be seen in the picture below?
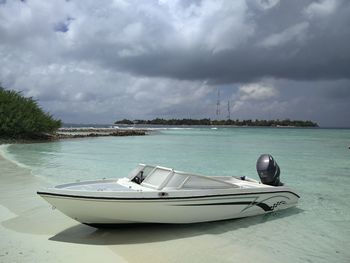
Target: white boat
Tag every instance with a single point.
(155, 194)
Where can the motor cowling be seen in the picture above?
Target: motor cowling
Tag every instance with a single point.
(268, 170)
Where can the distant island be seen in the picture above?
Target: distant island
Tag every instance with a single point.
(229, 122)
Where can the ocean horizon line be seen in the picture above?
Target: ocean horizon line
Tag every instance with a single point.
(109, 125)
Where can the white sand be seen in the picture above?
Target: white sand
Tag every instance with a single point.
(30, 231)
(28, 224)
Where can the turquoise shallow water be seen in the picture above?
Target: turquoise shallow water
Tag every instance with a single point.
(314, 162)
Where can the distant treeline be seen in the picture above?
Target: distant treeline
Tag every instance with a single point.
(258, 123)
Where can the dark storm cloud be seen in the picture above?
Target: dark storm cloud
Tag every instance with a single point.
(300, 40)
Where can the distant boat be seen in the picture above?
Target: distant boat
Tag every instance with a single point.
(214, 128)
(155, 194)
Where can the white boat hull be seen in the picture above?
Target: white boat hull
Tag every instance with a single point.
(114, 210)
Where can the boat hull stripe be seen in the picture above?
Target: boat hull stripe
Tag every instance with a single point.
(263, 206)
(157, 198)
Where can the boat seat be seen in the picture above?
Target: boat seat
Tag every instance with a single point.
(138, 178)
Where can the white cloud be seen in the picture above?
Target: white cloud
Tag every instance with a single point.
(264, 4)
(257, 91)
(249, 95)
(321, 8)
(80, 92)
(293, 33)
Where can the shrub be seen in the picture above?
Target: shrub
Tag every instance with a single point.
(21, 117)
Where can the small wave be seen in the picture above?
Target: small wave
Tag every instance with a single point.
(6, 155)
(166, 128)
(177, 128)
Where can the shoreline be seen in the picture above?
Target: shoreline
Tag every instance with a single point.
(72, 133)
(27, 223)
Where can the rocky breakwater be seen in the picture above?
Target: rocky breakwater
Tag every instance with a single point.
(67, 133)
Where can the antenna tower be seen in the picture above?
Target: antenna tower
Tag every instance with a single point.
(228, 110)
(218, 104)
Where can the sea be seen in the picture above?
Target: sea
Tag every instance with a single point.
(314, 162)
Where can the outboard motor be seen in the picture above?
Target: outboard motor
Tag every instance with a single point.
(268, 170)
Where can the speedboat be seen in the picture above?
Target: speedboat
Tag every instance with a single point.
(156, 194)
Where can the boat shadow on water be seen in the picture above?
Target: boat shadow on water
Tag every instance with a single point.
(149, 233)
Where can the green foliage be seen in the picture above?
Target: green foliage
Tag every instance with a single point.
(21, 117)
(254, 123)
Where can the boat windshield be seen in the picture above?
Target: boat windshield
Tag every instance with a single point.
(157, 177)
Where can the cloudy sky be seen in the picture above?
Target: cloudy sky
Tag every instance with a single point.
(89, 61)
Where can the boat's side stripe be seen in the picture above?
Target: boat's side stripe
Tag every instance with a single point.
(263, 206)
(158, 198)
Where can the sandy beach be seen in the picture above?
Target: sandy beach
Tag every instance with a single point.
(30, 231)
(28, 225)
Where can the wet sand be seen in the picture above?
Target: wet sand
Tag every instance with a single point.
(30, 231)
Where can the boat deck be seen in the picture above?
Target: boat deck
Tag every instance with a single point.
(101, 185)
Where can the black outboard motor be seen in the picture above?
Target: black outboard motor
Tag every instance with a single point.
(268, 170)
